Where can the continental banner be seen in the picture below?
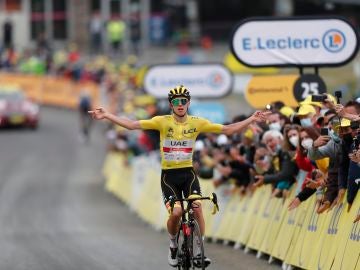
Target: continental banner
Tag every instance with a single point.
(263, 90)
(50, 90)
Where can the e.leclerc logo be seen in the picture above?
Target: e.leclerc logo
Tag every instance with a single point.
(334, 40)
(215, 80)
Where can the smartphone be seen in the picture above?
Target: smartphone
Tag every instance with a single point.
(318, 98)
(338, 95)
(324, 131)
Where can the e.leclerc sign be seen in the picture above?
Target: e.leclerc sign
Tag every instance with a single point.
(296, 41)
(203, 81)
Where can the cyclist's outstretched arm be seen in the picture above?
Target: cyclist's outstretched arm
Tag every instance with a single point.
(237, 127)
(100, 113)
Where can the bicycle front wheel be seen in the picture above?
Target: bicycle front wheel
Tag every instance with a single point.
(183, 251)
(196, 247)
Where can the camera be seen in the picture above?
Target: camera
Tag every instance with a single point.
(318, 98)
(324, 132)
(354, 125)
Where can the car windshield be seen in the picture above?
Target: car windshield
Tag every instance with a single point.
(11, 96)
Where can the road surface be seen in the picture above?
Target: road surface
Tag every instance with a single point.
(55, 214)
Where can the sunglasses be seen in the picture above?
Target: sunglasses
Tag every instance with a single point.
(178, 101)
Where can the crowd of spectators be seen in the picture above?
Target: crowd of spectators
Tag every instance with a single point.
(314, 148)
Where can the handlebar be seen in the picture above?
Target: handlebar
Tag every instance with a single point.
(212, 198)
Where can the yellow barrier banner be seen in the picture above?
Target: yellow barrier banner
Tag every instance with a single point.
(150, 198)
(292, 219)
(275, 222)
(228, 218)
(207, 188)
(305, 244)
(237, 211)
(348, 252)
(119, 181)
(300, 237)
(51, 90)
(303, 209)
(263, 220)
(335, 221)
(239, 220)
(223, 200)
(252, 213)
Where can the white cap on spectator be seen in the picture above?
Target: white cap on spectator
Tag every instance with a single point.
(357, 100)
(222, 139)
(199, 145)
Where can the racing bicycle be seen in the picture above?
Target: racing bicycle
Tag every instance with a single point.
(190, 243)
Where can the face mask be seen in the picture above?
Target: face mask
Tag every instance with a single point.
(307, 143)
(334, 136)
(306, 122)
(294, 140)
(275, 126)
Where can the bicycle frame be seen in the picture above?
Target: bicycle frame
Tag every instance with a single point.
(189, 227)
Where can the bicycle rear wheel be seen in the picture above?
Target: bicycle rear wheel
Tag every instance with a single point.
(196, 247)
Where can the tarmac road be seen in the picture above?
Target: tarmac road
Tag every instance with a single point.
(55, 214)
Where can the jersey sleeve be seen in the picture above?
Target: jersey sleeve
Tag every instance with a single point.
(153, 123)
(207, 126)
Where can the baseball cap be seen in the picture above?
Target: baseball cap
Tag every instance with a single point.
(308, 101)
(305, 109)
(287, 111)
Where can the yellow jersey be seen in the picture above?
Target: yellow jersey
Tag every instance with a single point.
(177, 140)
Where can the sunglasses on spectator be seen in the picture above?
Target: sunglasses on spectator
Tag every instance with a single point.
(178, 101)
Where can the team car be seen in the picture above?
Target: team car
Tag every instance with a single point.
(17, 110)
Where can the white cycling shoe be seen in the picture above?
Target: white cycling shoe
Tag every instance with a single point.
(197, 262)
(172, 257)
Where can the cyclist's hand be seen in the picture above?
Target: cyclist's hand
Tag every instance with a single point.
(260, 116)
(98, 114)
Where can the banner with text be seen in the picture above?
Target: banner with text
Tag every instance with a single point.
(295, 41)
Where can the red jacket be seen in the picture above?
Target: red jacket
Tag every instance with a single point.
(304, 163)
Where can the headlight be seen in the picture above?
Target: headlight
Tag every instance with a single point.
(30, 108)
(2, 105)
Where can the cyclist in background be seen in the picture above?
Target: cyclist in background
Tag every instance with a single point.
(85, 121)
(178, 133)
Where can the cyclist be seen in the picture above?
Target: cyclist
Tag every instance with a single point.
(178, 133)
(85, 121)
